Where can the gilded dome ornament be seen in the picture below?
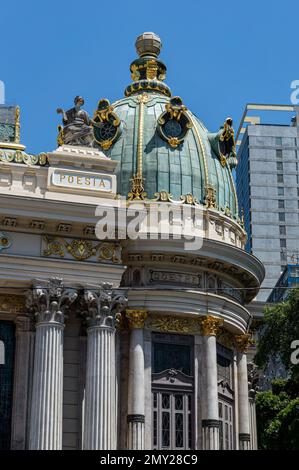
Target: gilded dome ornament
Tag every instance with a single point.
(210, 198)
(148, 72)
(189, 199)
(106, 125)
(227, 146)
(174, 123)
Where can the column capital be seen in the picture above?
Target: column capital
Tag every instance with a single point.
(136, 318)
(210, 325)
(242, 342)
(104, 305)
(49, 300)
(24, 323)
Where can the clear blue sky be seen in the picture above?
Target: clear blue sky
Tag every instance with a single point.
(219, 55)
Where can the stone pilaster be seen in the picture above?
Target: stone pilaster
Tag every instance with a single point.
(22, 381)
(210, 419)
(49, 301)
(136, 405)
(103, 306)
(242, 342)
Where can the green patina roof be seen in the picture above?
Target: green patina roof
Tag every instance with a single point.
(178, 171)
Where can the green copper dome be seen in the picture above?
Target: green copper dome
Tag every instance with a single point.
(166, 145)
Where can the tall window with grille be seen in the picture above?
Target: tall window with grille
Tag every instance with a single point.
(172, 392)
(225, 397)
(7, 344)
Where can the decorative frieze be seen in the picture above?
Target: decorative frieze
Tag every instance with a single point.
(12, 303)
(81, 250)
(174, 324)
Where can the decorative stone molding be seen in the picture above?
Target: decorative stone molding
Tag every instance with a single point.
(66, 228)
(174, 324)
(136, 318)
(104, 305)
(210, 423)
(37, 224)
(49, 300)
(210, 325)
(9, 222)
(243, 342)
(244, 437)
(18, 156)
(135, 418)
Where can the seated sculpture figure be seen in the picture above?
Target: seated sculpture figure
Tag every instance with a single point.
(77, 128)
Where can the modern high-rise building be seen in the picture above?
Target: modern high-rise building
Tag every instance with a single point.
(268, 188)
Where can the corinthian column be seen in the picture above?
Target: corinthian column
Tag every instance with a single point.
(103, 306)
(242, 342)
(49, 301)
(135, 418)
(210, 418)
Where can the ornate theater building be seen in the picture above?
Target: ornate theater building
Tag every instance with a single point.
(123, 341)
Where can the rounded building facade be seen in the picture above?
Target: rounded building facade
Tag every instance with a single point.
(119, 337)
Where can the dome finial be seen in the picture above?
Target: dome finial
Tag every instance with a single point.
(148, 44)
(147, 71)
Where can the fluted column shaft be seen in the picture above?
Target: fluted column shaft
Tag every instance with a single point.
(47, 393)
(136, 405)
(48, 300)
(210, 414)
(244, 425)
(103, 306)
(100, 398)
